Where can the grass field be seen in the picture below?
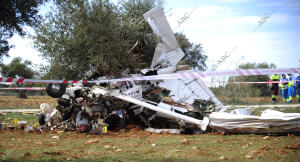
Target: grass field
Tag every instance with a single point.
(12, 102)
(134, 144)
(138, 145)
(252, 101)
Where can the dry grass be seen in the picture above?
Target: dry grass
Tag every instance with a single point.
(138, 145)
(251, 100)
(12, 102)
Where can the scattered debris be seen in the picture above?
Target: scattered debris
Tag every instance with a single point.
(92, 141)
(176, 150)
(28, 113)
(107, 146)
(242, 111)
(248, 156)
(22, 122)
(185, 141)
(266, 137)
(2, 114)
(11, 127)
(172, 131)
(55, 137)
(30, 129)
(294, 147)
(50, 116)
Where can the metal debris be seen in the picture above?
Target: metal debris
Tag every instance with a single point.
(90, 109)
(270, 121)
(30, 129)
(172, 131)
(2, 114)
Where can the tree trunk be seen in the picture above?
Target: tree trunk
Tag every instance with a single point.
(21, 93)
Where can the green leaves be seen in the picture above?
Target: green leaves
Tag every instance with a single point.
(18, 68)
(83, 39)
(253, 89)
(194, 54)
(87, 39)
(13, 16)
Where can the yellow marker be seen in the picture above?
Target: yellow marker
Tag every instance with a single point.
(28, 112)
(15, 121)
(104, 129)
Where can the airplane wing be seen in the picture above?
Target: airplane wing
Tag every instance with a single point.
(168, 53)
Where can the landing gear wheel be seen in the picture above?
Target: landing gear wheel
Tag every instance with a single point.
(55, 90)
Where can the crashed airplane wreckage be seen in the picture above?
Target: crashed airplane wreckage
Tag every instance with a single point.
(187, 105)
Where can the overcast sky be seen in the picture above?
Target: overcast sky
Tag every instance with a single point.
(221, 26)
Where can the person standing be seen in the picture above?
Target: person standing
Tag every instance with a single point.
(284, 88)
(298, 87)
(291, 87)
(274, 87)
